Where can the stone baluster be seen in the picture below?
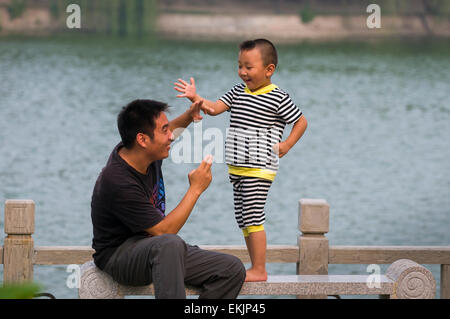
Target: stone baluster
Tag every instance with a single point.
(445, 281)
(18, 247)
(313, 245)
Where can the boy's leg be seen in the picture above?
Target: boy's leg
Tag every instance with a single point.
(255, 192)
(256, 245)
(219, 275)
(237, 196)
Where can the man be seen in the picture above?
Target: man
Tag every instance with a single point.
(134, 241)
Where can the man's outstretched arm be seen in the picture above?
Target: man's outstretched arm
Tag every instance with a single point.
(199, 180)
(183, 121)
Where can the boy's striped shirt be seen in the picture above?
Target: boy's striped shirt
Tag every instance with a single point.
(257, 122)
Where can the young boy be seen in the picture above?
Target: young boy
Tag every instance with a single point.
(259, 112)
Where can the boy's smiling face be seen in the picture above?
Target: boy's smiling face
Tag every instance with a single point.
(252, 69)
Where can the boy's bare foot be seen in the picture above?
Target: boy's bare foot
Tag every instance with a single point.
(255, 275)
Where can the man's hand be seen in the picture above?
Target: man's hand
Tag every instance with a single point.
(189, 90)
(200, 178)
(194, 111)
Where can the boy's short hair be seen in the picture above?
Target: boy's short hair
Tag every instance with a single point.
(138, 117)
(267, 49)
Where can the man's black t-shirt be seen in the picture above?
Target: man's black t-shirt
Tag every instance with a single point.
(124, 204)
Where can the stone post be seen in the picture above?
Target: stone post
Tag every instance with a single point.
(314, 215)
(445, 281)
(18, 246)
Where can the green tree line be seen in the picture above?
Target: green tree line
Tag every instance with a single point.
(138, 17)
(121, 17)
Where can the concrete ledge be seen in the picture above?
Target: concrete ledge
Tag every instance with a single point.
(317, 285)
(294, 285)
(404, 279)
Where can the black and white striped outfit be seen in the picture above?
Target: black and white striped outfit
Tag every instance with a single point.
(250, 194)
(257, 122)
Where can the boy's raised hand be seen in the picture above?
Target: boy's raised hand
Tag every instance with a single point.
(189, 91)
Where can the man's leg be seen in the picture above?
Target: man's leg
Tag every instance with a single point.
(143, 260)
(220, 275)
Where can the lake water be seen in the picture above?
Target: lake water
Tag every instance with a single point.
(377, 147)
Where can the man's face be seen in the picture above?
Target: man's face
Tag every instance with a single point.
(159, 146)
(252, 70)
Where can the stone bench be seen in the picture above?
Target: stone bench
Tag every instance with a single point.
(404, 279)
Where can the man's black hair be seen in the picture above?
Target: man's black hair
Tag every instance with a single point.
(138, 117)
(267, 49)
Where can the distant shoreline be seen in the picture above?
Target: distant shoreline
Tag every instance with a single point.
(281, 28)
(289, 28)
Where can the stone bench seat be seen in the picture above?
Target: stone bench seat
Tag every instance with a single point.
(317, 285)
(403, 279)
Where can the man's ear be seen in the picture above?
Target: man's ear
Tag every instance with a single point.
(142, 139)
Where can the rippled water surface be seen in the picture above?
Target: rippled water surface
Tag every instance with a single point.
(377, 146)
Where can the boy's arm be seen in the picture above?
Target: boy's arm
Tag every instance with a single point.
(296, 133)
(213, 108)
(189, 91)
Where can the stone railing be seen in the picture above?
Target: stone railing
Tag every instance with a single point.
(312, 256)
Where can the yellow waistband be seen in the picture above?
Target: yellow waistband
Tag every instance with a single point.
(252, 172)
(252, 229)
